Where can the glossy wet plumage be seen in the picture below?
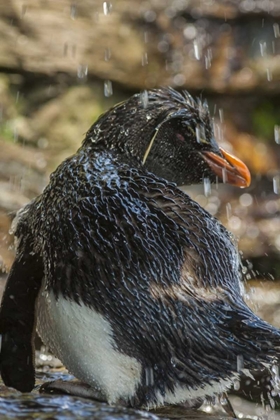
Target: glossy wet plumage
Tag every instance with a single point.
(160, 274)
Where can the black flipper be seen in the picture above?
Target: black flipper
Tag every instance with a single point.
(17, 320)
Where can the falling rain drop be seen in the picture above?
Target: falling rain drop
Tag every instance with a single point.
(228, 210)
(224, 175)
(276, 30)
(23, 10)
(207, 187)
(200, 134)
(107, 54)
(277, 134)
(240, 363)
(107, 7)
(149, 374)
(276, 184)
(73, 11)
(208, 58)
(263, 48)
(82, 71)
(108, 88)
(145, 59)
(17, 96)
(144, 98)
(268, 75)
(196, 49)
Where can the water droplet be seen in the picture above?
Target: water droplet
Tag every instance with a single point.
(150, 16)
(224, 175)
(268, 75)
(196, 49)
(240, 363)
(179, 79)
(276, 184)
(173, 362)
(190, 32)
(108, 88)
(17, 96)
(207, 187)
(145, 60)
(107, 54)
(228, 210)
(234, 223)
(23, 10)
(236, 384)
(107, 8)
(73, 11)
(277, 134)
(263, 48)
(246, 200)
(276, 30)
(208, 58)
(149, 376)
(146, 37)
(82, 71)
(144, 98)
(42, 143)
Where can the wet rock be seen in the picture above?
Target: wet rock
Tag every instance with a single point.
(193, 44)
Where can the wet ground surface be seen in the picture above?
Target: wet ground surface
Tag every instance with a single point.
(263, 298)
(15, 405)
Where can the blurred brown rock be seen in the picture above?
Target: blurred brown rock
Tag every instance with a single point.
(188, 43)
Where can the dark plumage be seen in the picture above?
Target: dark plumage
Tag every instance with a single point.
(140, 287)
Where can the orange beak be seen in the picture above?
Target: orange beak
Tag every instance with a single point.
(229, 169)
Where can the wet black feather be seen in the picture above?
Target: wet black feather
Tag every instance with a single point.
(116, 236)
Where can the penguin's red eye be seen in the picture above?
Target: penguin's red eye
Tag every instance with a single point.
(180, 137)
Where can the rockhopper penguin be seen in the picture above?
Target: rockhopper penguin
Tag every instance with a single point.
(132, 284)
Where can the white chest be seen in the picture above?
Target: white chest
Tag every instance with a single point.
(83, 341)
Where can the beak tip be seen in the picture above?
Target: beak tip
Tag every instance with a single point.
(229, 168)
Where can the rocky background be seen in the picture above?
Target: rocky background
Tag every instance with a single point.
(64, 62)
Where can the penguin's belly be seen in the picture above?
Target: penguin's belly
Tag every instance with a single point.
(82, 339)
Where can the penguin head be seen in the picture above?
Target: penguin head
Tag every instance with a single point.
(171, 135)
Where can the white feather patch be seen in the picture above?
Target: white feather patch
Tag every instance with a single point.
(82, 339)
